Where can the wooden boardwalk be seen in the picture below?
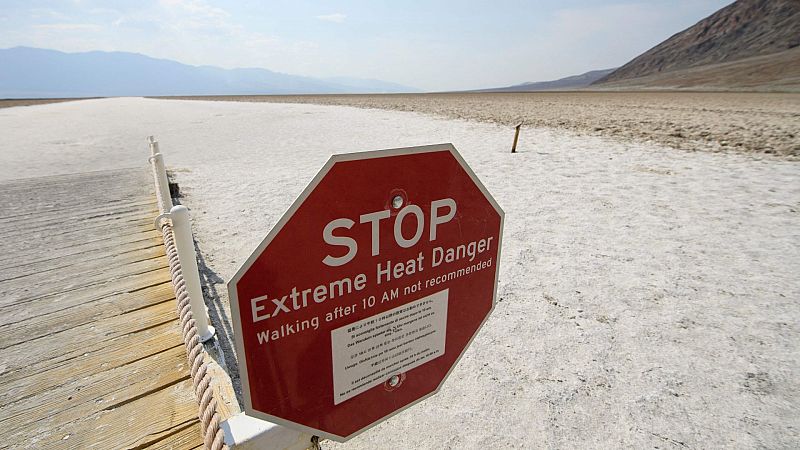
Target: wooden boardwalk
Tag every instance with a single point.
(91, 354)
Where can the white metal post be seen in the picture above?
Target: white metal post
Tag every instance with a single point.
(153, 145)
(182, 229)
(163, 182)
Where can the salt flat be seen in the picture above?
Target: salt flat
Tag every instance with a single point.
(750, 122)
(649, 296)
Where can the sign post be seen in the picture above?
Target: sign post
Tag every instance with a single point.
(366, 293)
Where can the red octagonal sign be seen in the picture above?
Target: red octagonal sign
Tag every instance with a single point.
(366, 293)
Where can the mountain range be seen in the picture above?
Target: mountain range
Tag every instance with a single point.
(573, 82)
(36, 73)
(747, 45)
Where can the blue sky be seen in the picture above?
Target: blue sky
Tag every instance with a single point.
(432, 45)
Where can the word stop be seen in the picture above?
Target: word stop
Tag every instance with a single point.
(437, 217)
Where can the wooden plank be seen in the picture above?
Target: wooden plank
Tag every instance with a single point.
(20, 250)
(74, 214)
(88, 294)
(93, 358)
(39, 240)
(82, 397)
(43, 288)
(92, 352)
(14, 206)
(83, 313)
(37, 195)
(37, 208)
(84, 261)
(177, 408)
(93, 187)
(227, 403)
(118, 251)
(52, 345)
(46, 214)
(183, 438)
(42, 196)
(85, 247)
(84, 177)
(75, 223)
(102, 270)
(167, 411)
(91, 214)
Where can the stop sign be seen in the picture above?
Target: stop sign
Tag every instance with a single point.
(366, 293)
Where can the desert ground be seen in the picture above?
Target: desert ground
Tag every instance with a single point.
(714, 121)
(8, 103)
(648, 292)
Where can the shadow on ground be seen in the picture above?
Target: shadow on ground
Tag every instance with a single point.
(210, 282)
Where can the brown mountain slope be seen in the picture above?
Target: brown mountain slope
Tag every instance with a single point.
(776, 72)
(744, 29)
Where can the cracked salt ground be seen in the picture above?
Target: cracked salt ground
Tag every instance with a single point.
(649, 295)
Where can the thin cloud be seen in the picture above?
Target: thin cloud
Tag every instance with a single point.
(69, 27)
(335, 17)
(39, 13)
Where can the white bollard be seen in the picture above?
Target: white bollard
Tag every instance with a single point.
(182, 228)
(153, 145)
(163, 182)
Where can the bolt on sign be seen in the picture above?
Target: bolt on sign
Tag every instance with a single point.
(364, 296)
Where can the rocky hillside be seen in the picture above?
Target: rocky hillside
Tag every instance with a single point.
(744, 29)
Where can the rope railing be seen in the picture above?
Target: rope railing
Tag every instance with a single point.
(201, 378)
(191, 316)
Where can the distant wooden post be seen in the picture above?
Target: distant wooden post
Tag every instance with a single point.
(516, 138)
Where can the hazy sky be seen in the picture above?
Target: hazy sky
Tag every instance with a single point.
(432, 45)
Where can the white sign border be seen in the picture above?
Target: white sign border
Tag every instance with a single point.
(234, 300)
